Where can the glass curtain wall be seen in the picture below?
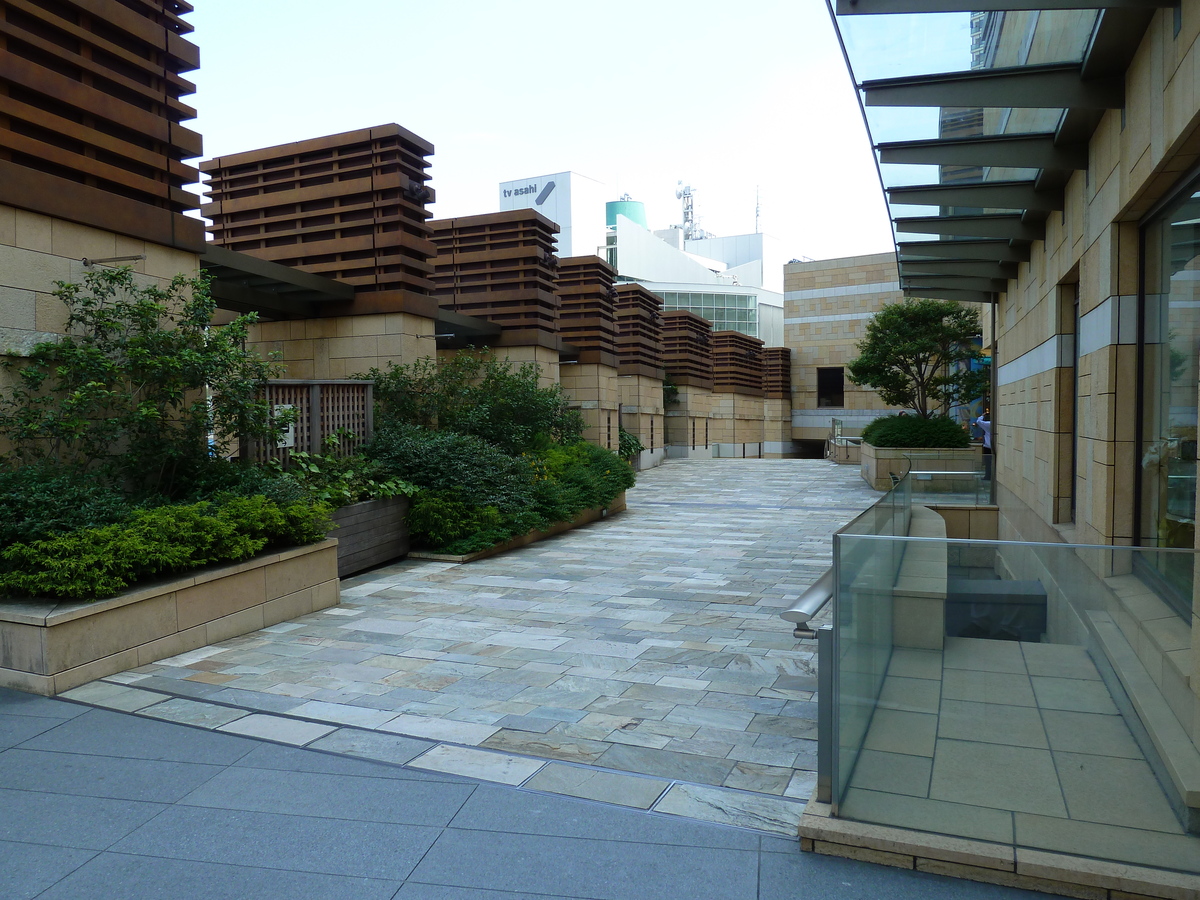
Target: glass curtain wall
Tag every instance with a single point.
(1170, 340)
(727, 312)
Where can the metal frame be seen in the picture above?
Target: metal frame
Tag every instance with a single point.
(1012, 227)
(880, 7)
(991, 251)
(1018, 151)
(245, 283)
(1055, 86)
(1017, 195)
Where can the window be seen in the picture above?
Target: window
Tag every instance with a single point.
(831, 387)
(1169, 358)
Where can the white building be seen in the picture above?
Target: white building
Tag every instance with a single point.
(573, 201)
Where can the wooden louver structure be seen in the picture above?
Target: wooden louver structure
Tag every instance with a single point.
(347, 206)
(91, 113)
(639, 331)
(737, 364)
(687, 348)
(586, 312)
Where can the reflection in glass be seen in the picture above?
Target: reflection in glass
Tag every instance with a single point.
(1168, 446)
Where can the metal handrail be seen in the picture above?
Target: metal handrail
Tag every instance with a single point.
(811, 602)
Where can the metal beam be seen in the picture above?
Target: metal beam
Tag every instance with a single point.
(951, 294)
(1017, 151)
(999, 251)
(226, 263)
(964, 282)
(879, 7)
(984, 195)
(1012, 227)
(975, 267)
(1027, 87)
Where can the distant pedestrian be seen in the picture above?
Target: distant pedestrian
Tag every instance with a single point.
(984, 423)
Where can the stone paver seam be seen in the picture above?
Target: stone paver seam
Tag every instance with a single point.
(653, 808)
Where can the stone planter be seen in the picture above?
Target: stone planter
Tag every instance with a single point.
(584, 518)
(880, 463)
(370, 533)
(50, 646)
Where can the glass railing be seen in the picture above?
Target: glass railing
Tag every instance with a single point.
(979, 688)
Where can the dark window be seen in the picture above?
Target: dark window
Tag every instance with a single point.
(831, 387)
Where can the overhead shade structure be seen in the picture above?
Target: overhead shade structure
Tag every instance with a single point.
(244, 283)
(980, 112)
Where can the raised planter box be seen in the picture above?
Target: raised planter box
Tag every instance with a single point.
(370, 533)
(880, 463)
(51, 646)
(584, 518)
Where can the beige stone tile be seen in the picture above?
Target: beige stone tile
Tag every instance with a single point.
(726, 807)
(910, 663)
(1126, 882)
(1073, 694)
(992, 723)
(863, 854)
(485, 765)
(192, 712)
(894, 731)
(113, 696)
(987, 687)
(1009, 879)
(983, 655)
(277, 728)
(923, 814)
(892, 772)
(1059, 661)
(996, 776)
(1109, 842)
(1078, 732)
(595, 784)
(439, 729)
(1108, 789)
(920, 695)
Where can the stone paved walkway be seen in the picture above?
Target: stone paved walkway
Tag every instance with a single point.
(649, 644)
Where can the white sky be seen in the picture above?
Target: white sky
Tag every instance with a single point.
(638, 94)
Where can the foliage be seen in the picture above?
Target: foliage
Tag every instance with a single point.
(141, 391)
(440, 519)
(338, 480)
(43, 500)
(916, 354)
(475, 496)
(913, 431)
(670, 391)
(474, 393)
(628, 445)
(103, 560)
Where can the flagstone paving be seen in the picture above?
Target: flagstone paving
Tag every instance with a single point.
(643, 655)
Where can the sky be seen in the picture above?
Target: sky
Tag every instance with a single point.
(737, 100)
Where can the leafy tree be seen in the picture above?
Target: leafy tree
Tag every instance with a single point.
(916, 354)
(140, 391)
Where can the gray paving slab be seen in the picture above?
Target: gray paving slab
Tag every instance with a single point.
(499, 809)
(290, 843)
(602, 869)
(118, 876)
(28, 869)
(18, 729)
(348, 797)
(105, 733)
(70, 820)
(89, 775)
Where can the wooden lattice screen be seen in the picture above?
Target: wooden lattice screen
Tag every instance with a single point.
(322, 408)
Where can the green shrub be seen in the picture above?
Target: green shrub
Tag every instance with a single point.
(628, 445)
(474, 393)
(339, 480)
(101, 561)
(913, 431)
(440, 519)
(41, 500)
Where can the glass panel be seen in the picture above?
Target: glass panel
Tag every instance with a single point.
(973, 693)
(1172, 337)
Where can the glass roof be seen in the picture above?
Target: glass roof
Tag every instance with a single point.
(931, 44)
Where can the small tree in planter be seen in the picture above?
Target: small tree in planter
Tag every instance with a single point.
(918, 355)
(141, 391)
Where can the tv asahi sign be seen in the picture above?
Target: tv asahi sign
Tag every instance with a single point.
(550, 195)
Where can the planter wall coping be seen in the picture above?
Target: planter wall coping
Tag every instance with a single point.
(50, 612)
